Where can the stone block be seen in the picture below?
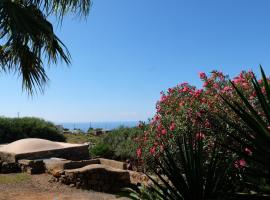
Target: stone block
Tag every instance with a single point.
(32, 166)
(113, 163)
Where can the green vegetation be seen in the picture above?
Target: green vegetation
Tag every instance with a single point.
(118, 144)
(13, 178)
(81, 138)
(12, 129)
(211, 143)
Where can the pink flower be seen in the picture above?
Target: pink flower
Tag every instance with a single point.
(184, 83)
(164, 132)
(185, 89)
(239, 164)
(172, 126)
(248, 151)
(152, 150)
(159, 127)
(198, 93)
(207, 124)
(170, 90)
(163, 98)
(156, 118)
(206, 84)
(215, 85)
(139, 152)
(227, 88)
(202, 75)
(200, 136)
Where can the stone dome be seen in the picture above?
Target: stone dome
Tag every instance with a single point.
(33, 145)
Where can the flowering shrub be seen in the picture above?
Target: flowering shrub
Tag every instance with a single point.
(220, 130)
(184, 106)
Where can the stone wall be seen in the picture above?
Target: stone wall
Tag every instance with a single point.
(95, 177)
(71, 153)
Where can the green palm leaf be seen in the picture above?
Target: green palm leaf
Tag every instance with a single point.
(28, 42)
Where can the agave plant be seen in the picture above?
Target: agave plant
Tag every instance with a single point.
(252, 138)
(193, 170)
(256, 137)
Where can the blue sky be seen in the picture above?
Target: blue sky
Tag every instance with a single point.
(127, 51)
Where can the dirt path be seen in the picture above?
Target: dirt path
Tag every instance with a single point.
(38, 187)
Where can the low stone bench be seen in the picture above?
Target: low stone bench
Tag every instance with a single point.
(96, 177)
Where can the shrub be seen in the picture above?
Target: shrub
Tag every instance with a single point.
(12, 129)
(101, 150)
(120, 142)
(201, 112)
(185, 105)
(253, 139)
(190, 171)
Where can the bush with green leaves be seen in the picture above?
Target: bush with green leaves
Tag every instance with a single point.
(117, 144)
(238, 126)
(12, 129)
(251, 141)
(193, 169)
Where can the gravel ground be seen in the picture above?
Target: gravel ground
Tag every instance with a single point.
(38, 187)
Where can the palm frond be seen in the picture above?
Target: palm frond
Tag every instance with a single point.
(28, 37)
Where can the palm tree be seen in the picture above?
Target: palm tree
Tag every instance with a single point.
(27, 38)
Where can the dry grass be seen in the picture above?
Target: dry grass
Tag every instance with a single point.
(79, 138)
(13, 178)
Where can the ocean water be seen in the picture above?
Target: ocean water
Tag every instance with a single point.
(103, 125)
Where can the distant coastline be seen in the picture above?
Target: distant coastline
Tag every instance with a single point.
(104, 125)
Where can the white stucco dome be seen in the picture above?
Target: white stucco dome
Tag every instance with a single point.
(33, 145)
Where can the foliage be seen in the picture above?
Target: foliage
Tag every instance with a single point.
(194, 169)
(185, 105)
(101, 150)
(184, 109)
(120, 142)
(28, 41)
(253, 139)
(142, 192)
(12, 129)
(81, 138)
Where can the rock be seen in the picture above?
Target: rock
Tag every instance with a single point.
(113, 163)
(138, 177)
(97, 177)
(32, 166)
(10, 168)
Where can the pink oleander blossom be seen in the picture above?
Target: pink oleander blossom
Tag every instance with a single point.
(164, 132)
(172, 126)
(139, 152)
(239, 164)
(202, 75)
(200, 136)
(248, 151)
(152, 150)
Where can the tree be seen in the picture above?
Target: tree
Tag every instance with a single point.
(27, 38)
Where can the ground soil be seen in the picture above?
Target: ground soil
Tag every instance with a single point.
(39, 187)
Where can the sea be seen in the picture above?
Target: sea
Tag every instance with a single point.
(103, 125)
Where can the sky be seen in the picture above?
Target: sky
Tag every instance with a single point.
(127, 51)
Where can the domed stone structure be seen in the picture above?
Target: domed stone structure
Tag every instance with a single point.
(34, 148)
(33, 145)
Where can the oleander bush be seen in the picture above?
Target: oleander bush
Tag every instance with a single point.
(12, 129)
(230, 118)
(185, 105)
